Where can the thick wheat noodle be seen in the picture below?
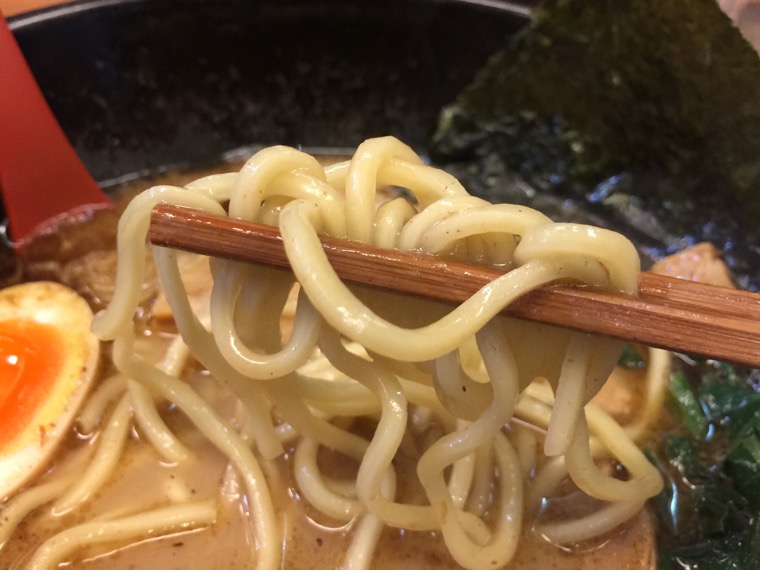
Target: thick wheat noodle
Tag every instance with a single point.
(110, 443)
(526, 448)
(503, 372)
(479, 499)
(551, 473)
(91, 414)
(151, 425)
(316, 490)
(362, 547)
(658, 372)
(146, 414)
(568, 404)
(426, 383)
(184, 516)
(200, 342)
(589, 526)
(217, 431)
(460, 480)
(16, 509)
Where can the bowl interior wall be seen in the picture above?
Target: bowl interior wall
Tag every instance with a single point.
(138, 85)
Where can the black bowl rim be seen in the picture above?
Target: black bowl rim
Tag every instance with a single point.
(522, 8)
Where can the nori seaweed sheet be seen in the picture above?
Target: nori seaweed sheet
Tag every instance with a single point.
(641, 115)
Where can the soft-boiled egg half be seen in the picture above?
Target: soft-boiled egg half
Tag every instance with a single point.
(48, 359)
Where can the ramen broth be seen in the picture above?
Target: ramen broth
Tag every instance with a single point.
(83, 257)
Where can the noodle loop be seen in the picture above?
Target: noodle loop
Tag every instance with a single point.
(379, 378)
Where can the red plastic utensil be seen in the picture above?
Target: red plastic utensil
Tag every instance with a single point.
(41, 177)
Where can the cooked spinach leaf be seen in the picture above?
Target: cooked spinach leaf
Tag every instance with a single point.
(711, 507)
(740, 553)
(686, 406)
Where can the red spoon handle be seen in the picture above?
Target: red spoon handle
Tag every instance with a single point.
(41, 176)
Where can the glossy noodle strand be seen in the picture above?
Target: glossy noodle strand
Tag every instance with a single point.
(465, 394)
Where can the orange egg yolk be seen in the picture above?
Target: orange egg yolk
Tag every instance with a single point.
(31, 357)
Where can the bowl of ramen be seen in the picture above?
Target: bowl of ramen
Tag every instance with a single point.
(160, 408)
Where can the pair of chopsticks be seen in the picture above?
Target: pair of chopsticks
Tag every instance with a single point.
(674, 314)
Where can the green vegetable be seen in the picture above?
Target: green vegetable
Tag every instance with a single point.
(631, 358)
(711, 508)
(686, 406)
(733, 554)
(743, 461)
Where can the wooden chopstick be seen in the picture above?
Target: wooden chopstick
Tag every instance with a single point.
(674, 314)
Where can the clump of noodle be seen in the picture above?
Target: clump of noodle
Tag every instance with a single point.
(218, 432)
(407, 375)
(501, 546)
(131, 269)
(300, 223)
(201, 345)
(135, 402)
(608, 439)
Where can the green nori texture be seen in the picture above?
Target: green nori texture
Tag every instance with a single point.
(642, 113)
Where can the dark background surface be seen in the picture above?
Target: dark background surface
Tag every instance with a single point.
(142, 84)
